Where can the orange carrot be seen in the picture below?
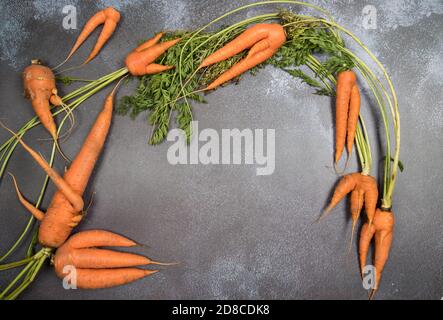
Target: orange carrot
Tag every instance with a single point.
(99, 238)
(383, 229)
(149, 43)
(138, 62)
(109, 17)
(60, 217)
(154, 68)
(100, 268)
(64, 211)
(345, 81)
(361, 186)
(107, 278)
(263, 40)
(354, 111)
(273, 33)
(39, 87)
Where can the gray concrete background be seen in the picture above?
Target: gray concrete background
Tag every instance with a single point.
(238, 235)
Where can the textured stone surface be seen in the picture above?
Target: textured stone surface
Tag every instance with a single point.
(238, 235)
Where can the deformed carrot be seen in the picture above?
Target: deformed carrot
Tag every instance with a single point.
(362, 187)
(345, 82)
(383, 230)
(110, 18)
(60, 217)
(65, 210)
(39, 87)
(138, 62)
(100, 268)
(263, 40)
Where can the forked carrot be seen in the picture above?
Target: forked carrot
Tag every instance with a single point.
(100, 268)
(345, 82)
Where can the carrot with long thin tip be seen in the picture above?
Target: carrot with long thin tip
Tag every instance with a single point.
(354, 111)
(94, 258)
(150, 42)
(345, 81)
(38, 214)
(64, 188)
(344, 186)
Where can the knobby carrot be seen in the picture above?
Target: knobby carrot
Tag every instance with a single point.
(39, 87)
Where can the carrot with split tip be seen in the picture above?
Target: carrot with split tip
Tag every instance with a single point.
(110, 18)
(38, 214)
(382, 231)
(274, 33)
(138, 62)
(345, 82)
(64, 211)
(263, 40)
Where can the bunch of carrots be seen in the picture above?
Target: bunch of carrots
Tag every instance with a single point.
(263, 41)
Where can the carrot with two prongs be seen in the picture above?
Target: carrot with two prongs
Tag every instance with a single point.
(262, 39)
(382, 230)
(346, 80)
(101, 268)
(363, 187)
(109, 17)
(140, 61)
